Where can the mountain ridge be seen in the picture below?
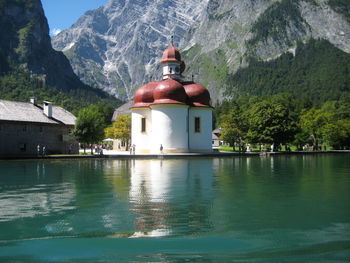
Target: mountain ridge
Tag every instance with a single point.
(112, 59)
(219, 39)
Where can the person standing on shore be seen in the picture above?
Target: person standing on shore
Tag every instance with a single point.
(44, 150)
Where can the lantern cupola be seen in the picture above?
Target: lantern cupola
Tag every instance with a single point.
(173, 66)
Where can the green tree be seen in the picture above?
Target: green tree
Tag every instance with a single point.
(312, 121)
(89, 127)
(337, 134)
(120, 129)
(233, 126)
(106, 111)
(340, 108)
(270, 122)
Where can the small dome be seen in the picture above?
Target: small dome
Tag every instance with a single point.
(169, 91)
(144, 95)
(198, 95)
(171, 54)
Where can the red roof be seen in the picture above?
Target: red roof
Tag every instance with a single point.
(171, 54)
(144, 95)
(198, 95)
(169, 91)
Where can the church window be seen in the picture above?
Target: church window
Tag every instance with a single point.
(197, 124)
(143, 124)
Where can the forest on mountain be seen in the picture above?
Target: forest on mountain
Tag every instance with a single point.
(21, 85)
(296, 99)
(318, 72)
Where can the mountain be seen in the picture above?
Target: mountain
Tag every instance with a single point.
(316, 72)
(30, 66)
(118, 47)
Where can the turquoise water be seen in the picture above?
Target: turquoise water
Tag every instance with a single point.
(242, 209)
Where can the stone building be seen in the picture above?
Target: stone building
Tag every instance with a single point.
(173, 114)
(24, 126)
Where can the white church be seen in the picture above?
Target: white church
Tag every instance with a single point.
(172, 115)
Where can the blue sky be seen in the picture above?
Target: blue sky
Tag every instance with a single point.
(61, 14)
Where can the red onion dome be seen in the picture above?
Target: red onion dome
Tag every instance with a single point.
(144, 95)
(198, 95)
(169, 91)
(171, 54)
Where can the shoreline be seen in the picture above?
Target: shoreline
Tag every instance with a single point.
(126, 155)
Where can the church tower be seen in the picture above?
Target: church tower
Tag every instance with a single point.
(173, 66)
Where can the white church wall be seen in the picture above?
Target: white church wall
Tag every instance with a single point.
(200, 141)
(141, 139)
(169, 128)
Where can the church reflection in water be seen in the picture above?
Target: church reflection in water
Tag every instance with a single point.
(171, 197)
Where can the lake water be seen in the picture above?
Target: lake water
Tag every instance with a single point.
(241, 209)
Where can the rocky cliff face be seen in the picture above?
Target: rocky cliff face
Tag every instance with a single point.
(26, 52)
(262, 29)
(115, 46)
(25, 44)
(118, 47)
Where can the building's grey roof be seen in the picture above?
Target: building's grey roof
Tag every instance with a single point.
(123, 110)
(214, 136)
(28, 112)
(63, 115)
(217, 131)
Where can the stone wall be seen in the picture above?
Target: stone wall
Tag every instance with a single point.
(17, 138)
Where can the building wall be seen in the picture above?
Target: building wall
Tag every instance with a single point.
(119, 145)
(170, 129)
(215, 143)
(169, 125)
(18, 138)
(200, 141)
(140, 139)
